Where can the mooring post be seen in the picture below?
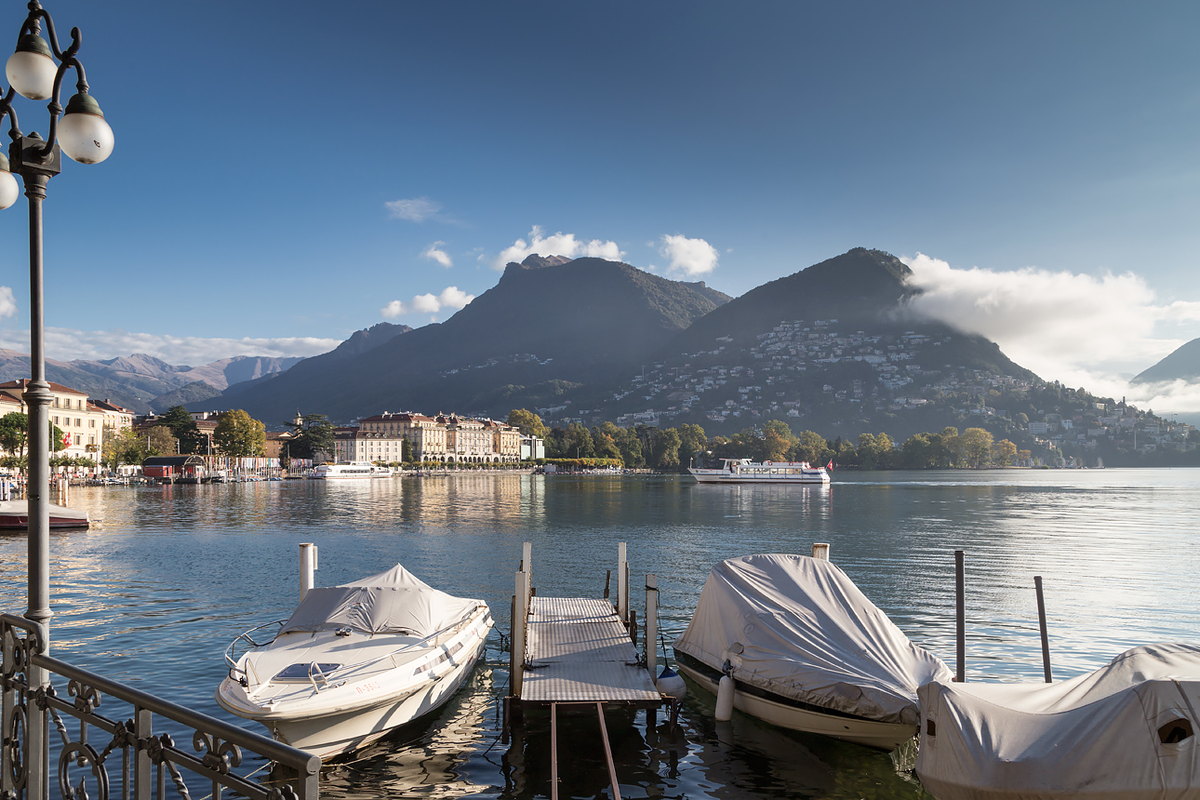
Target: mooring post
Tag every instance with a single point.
(308, 565)
(1041, 603)
(652, 641)
(622, 584)
(820, 550)
(518, 634)
(960, 592)
(527, 560)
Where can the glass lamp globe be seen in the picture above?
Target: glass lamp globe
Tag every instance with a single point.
(31, 69)
(9, 191)
(82, 132)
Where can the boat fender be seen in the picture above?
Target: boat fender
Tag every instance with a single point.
(670, 684)
(725, 690)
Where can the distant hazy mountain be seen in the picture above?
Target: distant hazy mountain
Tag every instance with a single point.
(136, 381)
(1183, 364)
(196, 392)
(548, 325)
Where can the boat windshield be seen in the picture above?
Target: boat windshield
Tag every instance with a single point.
(304, 672)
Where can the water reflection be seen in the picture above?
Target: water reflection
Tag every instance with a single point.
(154, 591)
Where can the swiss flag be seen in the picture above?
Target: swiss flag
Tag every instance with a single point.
(830, 464)
(66, 440)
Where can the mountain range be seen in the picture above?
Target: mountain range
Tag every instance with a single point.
(834, 347)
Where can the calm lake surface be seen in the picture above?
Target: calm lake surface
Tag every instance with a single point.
(152, 594)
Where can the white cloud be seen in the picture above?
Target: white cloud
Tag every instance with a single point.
(559, 244)
(1083, 330)
(451, 297)
(66, 344)
(689, 256)
(8, 303)
(435, 253)
(419, 209)
(426, 304)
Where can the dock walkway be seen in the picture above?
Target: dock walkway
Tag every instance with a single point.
(579, 651)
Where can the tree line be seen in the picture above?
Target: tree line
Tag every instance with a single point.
(644, 446)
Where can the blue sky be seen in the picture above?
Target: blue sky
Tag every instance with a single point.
(288, 173)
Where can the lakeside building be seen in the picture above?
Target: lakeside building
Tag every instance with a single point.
(81, 422)
(446, 439)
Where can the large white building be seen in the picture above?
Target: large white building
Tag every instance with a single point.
(445, 438)
(82, 423)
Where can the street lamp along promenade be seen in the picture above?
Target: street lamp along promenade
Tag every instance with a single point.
(36, 71)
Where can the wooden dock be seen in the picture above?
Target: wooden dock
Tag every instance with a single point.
(575, 651)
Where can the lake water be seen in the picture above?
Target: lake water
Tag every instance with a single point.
(167, 576)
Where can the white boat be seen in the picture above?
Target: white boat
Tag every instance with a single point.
(355, 661)
(14, 514)
(350, 470)
(743, 470)
(1127, 730)
(806, 650)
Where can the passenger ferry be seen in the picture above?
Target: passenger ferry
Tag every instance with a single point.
(743, 470)
(350, 469)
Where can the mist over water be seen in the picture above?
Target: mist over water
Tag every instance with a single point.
(167, 576)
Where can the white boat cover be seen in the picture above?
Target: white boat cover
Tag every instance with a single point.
(806, 632)
(1125, 731)
(390, 602)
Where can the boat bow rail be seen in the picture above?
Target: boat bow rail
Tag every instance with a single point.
(325, 672)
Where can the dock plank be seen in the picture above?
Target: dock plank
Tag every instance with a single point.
(578, 651)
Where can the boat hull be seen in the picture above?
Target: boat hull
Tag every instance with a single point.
(337, 734)
(14, 515)
(781, 713)
(348, 724)
(720, 476)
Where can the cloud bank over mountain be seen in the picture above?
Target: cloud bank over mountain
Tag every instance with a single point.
(1082, 330)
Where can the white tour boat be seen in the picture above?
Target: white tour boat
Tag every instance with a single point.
(350, 469)
(798, 645)
(355, 661)
(743, 470)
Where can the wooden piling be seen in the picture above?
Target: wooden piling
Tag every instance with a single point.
(960, 592)
(1041, 604)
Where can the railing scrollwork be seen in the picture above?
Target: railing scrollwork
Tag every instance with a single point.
(146, 759)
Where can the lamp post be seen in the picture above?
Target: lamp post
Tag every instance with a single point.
(36, 71)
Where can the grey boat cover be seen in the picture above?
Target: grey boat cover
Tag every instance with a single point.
(799, 627)
(1127, 730)
(390, 602)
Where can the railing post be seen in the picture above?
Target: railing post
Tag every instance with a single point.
(520, 608)
(37, 721)
(8, 700)
(143, 765)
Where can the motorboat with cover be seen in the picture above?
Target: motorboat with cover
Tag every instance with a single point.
(14, 514)
(355, 661)
(806, 650)
(1127, 730)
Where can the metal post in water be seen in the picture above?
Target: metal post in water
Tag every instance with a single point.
(308, 565)
(622, 584)
(1041, 601)
(527, 560)
(960, 592)
(652, 625)
(820, 550)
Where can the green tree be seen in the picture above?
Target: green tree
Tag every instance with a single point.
(122, 447)
(14, 433)
(239, 436)
(1004, 452)
(664, 452)
(976, 444)
(778, 440)
(529, 422)
(604, 444)
(812, 447)
(630, 448)
(185, 429)
(692, 442)
(160, 442)
(578, 442)
(312, 433)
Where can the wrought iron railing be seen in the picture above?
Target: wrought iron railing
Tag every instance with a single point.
(87, 762)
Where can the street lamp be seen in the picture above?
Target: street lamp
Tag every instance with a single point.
(36, 71)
